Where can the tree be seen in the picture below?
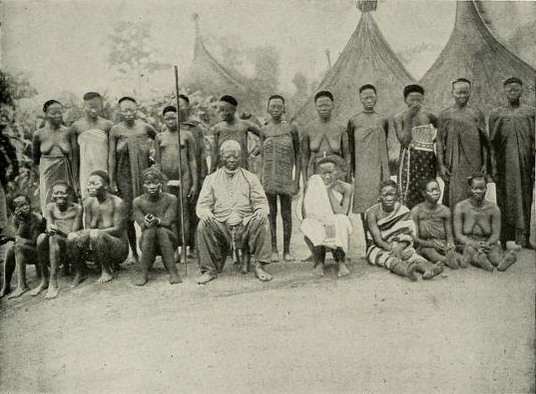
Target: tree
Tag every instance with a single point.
(14, 87)
(132, 51)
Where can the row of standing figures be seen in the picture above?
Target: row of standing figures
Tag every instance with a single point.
(453, 145)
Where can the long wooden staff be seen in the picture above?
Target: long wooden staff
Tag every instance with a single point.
(181, 200)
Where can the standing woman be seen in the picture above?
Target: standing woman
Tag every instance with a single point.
(128, 157)
(54, 151)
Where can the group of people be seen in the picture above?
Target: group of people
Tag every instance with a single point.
(98, 179)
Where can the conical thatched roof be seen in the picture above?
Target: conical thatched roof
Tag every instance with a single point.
(367, 58)
(473, 52)
(207, 75)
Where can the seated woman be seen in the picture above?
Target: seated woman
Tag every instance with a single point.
(390, 235)
(433, 228)
(156, 212)
(326, 204)
(477, 227)
(104, 237)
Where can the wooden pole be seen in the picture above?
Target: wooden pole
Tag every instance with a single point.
(181, 187)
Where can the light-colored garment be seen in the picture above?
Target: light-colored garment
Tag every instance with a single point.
(320, 224)
(93, 155)
(398, 226)
(53, 168)
(232, 198)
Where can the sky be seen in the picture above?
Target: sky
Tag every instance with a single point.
(61, 43)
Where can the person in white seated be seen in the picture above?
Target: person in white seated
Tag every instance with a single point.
(325, 208)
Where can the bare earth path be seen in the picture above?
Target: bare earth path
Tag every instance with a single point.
(466, 331)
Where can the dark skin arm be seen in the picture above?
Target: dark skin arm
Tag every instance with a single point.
(351, 144)
(486, 144)
(440, 148)
(170, 214)
(493, 119)
(36, 148)
(137, 213)
(416, 237)
(305, 156)
(403, 127)
(372, 223)
(215, 151)
(75, 158)
(157, 151)
(119, 219)
(495, 228)
(77, 224)
(297, 157)
(346, 153)
(343, 207)
(447, 222)
(190, 149)
(459, 215)
(111, 156)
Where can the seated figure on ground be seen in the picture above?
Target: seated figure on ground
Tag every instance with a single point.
(155, 212)
(477, 228)
(326, 204)
(233, 213)
(63, 217)
(23, 251)
(390, 234)
(103, 239)
(433, 228)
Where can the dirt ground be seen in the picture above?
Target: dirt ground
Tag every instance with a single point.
(466, 331)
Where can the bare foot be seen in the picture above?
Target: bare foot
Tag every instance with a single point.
(343, 270)
(288, 257)
(411, 272)
(262, 274)
(434, 270)
(42, 287)
(78, 278)
(52, 292)
(205, 278)
(141, 280)
(509, 259)
(483, 262)
(18, 292)
(134, 260)
(174, 279)
(191, 253)
(5, 291)
(319, 270)
(105, 277)
(275, 257)
(469, 256)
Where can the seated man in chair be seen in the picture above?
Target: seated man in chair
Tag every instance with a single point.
(325, 207)
(232, 206)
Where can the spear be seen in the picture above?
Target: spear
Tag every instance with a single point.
(181, 185)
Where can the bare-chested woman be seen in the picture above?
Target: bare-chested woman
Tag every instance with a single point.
(156, 212)
(323, 137)
(63, 217)
(54, 149)
(129, 147)
(167, 156)
(477, 228)
(231, 128)
(433, 228)
(104, 238)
